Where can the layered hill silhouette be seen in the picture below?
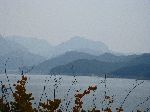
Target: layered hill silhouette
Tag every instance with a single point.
(27, 51)
(15, 55)
(136, 67)
(81, 44)
(36, 46)
(43, 48)
(78, 63)
(86, 67)
(78, 56)
(46, 66)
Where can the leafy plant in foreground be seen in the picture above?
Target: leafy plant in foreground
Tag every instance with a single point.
(79, 96)
(22, 100)
(4, 104)
(49, 106)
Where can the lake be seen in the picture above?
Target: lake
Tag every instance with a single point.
(66, 87)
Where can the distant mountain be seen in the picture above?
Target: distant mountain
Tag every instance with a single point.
(139, 67)
(108, 57)
(77, 55)
(86, 67)
(139, 71)
(19, 59)
(36, 46)
(81, 44)
(140, 59)
(43, 48)
(136, 67)
(7, 46)
(46, 66)
(17, 55)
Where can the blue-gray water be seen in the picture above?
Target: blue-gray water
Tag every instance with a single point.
(119, 88)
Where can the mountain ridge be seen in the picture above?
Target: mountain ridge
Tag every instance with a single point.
(71, 56)
(134, 68)
(15, 55)
(43, 48)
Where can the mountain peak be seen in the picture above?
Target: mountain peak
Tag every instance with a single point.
(78, 38)
(82, 44)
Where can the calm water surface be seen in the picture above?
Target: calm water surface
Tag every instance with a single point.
(66, 87)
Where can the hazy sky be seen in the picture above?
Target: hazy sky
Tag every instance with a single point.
(124, 25)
